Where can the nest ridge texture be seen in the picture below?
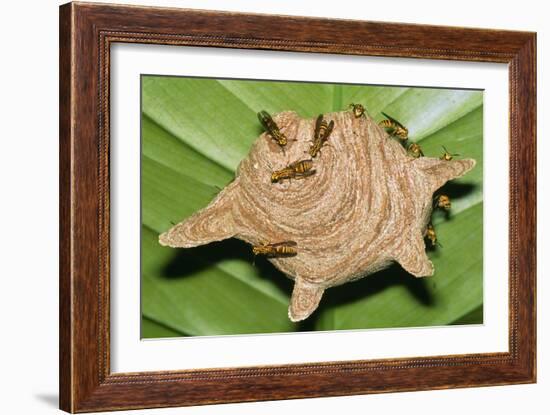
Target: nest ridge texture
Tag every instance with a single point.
(366, 206)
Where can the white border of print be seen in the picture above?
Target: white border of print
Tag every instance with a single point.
(130, 354)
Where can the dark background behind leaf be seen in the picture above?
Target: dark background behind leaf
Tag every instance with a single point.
(195, 132)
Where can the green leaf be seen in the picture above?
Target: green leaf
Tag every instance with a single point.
(311, 100)
(168, 196)
(190, 293)
(152, 329)
(194, 134)
(161, 146)
(473, 317)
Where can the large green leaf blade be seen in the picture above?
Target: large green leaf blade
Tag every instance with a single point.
(152, 329)
(166, 149)
(210, 124)
(189, 294)
(201, 113)
(168, 196)
(307, 99)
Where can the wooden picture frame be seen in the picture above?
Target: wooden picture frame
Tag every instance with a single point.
(86, 33)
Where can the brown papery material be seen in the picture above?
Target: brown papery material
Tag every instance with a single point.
(367, 205)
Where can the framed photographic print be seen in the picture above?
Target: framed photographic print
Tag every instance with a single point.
(253, 208)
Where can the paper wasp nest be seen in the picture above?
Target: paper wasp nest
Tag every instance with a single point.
(367, 204)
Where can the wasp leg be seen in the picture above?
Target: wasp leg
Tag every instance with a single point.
(306, 174)
(289, 183)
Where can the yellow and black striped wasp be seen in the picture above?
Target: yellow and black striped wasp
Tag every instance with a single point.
(394, 127)
(321, 135)
(431, 236)
(415, 151)
(358, 110)
(297, 170)
(442, 202)
(276, 250)
(446, 155)
(272, 128)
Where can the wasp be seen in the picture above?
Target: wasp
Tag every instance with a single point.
(321, 135)
(357, 109)
(394, 127)
(415, 151)
(280, 249)
(272, 128)
(446, 155)
(442, 202)
(430, 235)
(297, 170)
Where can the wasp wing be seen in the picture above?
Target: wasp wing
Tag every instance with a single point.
(392, 119)
(305, 174)
(284, 243)
(318, 124)
(265, 120)
(294, 164)
(329, 130)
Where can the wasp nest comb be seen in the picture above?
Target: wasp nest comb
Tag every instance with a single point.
(368, 204)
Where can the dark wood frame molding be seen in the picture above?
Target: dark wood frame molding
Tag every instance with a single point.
(86, 33)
